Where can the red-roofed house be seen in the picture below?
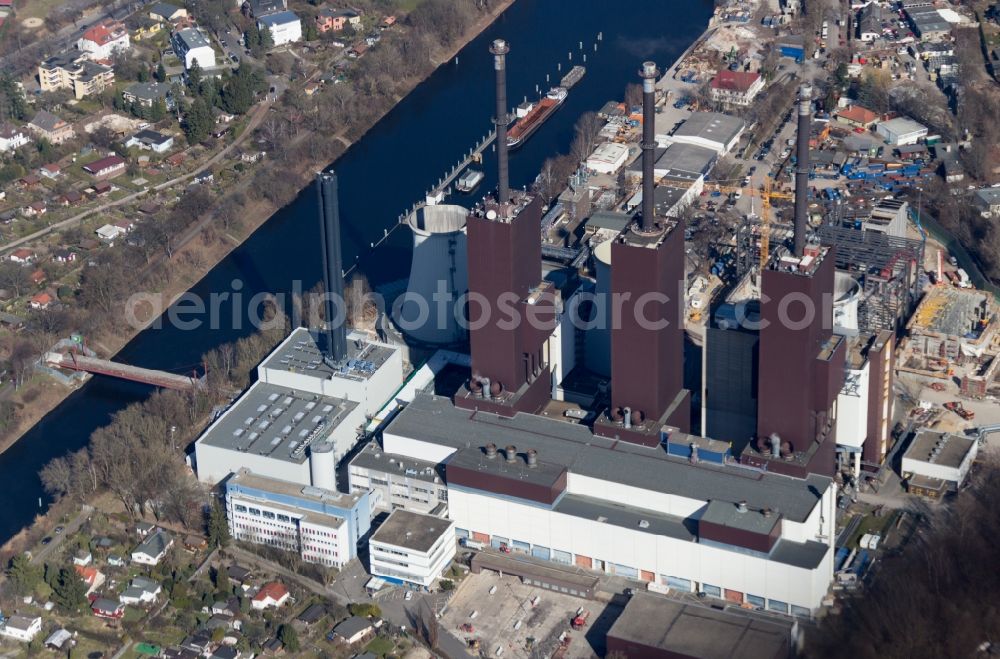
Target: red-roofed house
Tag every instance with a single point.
(42, 301)
(51, 170)
(857, 116)
(38, 277)
(22, 255)
(106, 168)
(91, 576)
(736, 87)
(270, 595)
(103, 39)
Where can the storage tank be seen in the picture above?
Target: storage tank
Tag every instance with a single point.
(439, 264)
(323, 466)
(846, 296)
(598, 340)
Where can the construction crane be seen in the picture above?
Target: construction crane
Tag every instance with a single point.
(766, 195)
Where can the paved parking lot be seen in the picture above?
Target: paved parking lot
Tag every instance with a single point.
(541, 624)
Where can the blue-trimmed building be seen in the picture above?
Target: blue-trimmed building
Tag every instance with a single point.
(323, 526)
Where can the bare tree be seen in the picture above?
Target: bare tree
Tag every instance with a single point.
(633, 95)
(585, 133)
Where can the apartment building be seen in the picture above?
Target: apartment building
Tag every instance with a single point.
(76, 73)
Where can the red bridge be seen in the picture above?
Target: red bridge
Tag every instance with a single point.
(75, 362)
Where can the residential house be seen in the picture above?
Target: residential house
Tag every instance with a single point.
(152, 550)
(311, 615)
(987, 200)
(335, 20)
(143, 529)
(106, 168)
(388, 21)
(736, 87)
(258, 8)
(285, 27)
(70, 198)
(114, 560)
(82, 557)
(151, 140)
(50, 171)
(91, 576)
(37, 277)
(102, 607)
(271, 595)
(351, 631)
(226, 652)
(230, 607)
(76, 72)
(194, 543)
(164, 12)
(22, 256)
(240, 576)
(191, 45)
(144, 94)
(142, 27)
(141, 591)
(101, 188)
(22, 628)
(12, 137)
(47, 125)
(200, 642)
(63, 256)
(28, 181)
(104, 39)
(34, 209)
(40, 301)
(870, 23)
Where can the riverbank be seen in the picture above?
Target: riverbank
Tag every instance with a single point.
(196, 258)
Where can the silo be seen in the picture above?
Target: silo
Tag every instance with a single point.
(323, 466)
(846, 296)
(598, 340)
(439, 265)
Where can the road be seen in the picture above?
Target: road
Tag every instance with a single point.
(257, 116)
(38, 557)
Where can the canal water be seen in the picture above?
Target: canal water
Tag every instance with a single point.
(384, 173)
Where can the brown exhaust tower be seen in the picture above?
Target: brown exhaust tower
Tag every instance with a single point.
(802, 169)
(499, 48)
(649, 74)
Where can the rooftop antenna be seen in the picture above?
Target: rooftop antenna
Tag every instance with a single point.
(333, 276)
(499, 48)
(649, 74)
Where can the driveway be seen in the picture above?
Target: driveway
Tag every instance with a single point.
(39, 557)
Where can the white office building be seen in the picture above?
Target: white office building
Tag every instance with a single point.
(192, 45)
(688, 517)
(285, 27)
(395, 482)
(412, 549)
(322, 526)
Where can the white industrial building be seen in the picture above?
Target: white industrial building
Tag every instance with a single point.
(712, 130)
(285, 27)
(394, 482)
(191, 45)
(938, 461)
(565, 495)
(302, 416)
(608, 158)
(901, 131)
(412, 549)
(320, 525)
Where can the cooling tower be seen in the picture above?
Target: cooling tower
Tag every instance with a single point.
(323, 466)
(598, 340)
(846, 296)
(439, 265)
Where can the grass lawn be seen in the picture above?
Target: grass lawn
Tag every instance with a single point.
(38, 8)
(380, 646)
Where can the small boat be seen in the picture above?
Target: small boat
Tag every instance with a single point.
(574, 76)
(469, 180)
(529, 123)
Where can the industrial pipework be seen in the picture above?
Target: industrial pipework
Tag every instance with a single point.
(333, 270)
(649, 74)
(802, 169)
(499, 48)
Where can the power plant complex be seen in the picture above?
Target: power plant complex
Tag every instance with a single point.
(574, 435)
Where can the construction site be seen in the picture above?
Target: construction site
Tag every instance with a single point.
(952, 332)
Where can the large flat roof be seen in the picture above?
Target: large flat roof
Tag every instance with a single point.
(691, 630)
(687, 160)
(373, 457)
(301, 353)
(277, 422)
(433, 419)
(951, 449)
(712, 126)
(414, 531)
